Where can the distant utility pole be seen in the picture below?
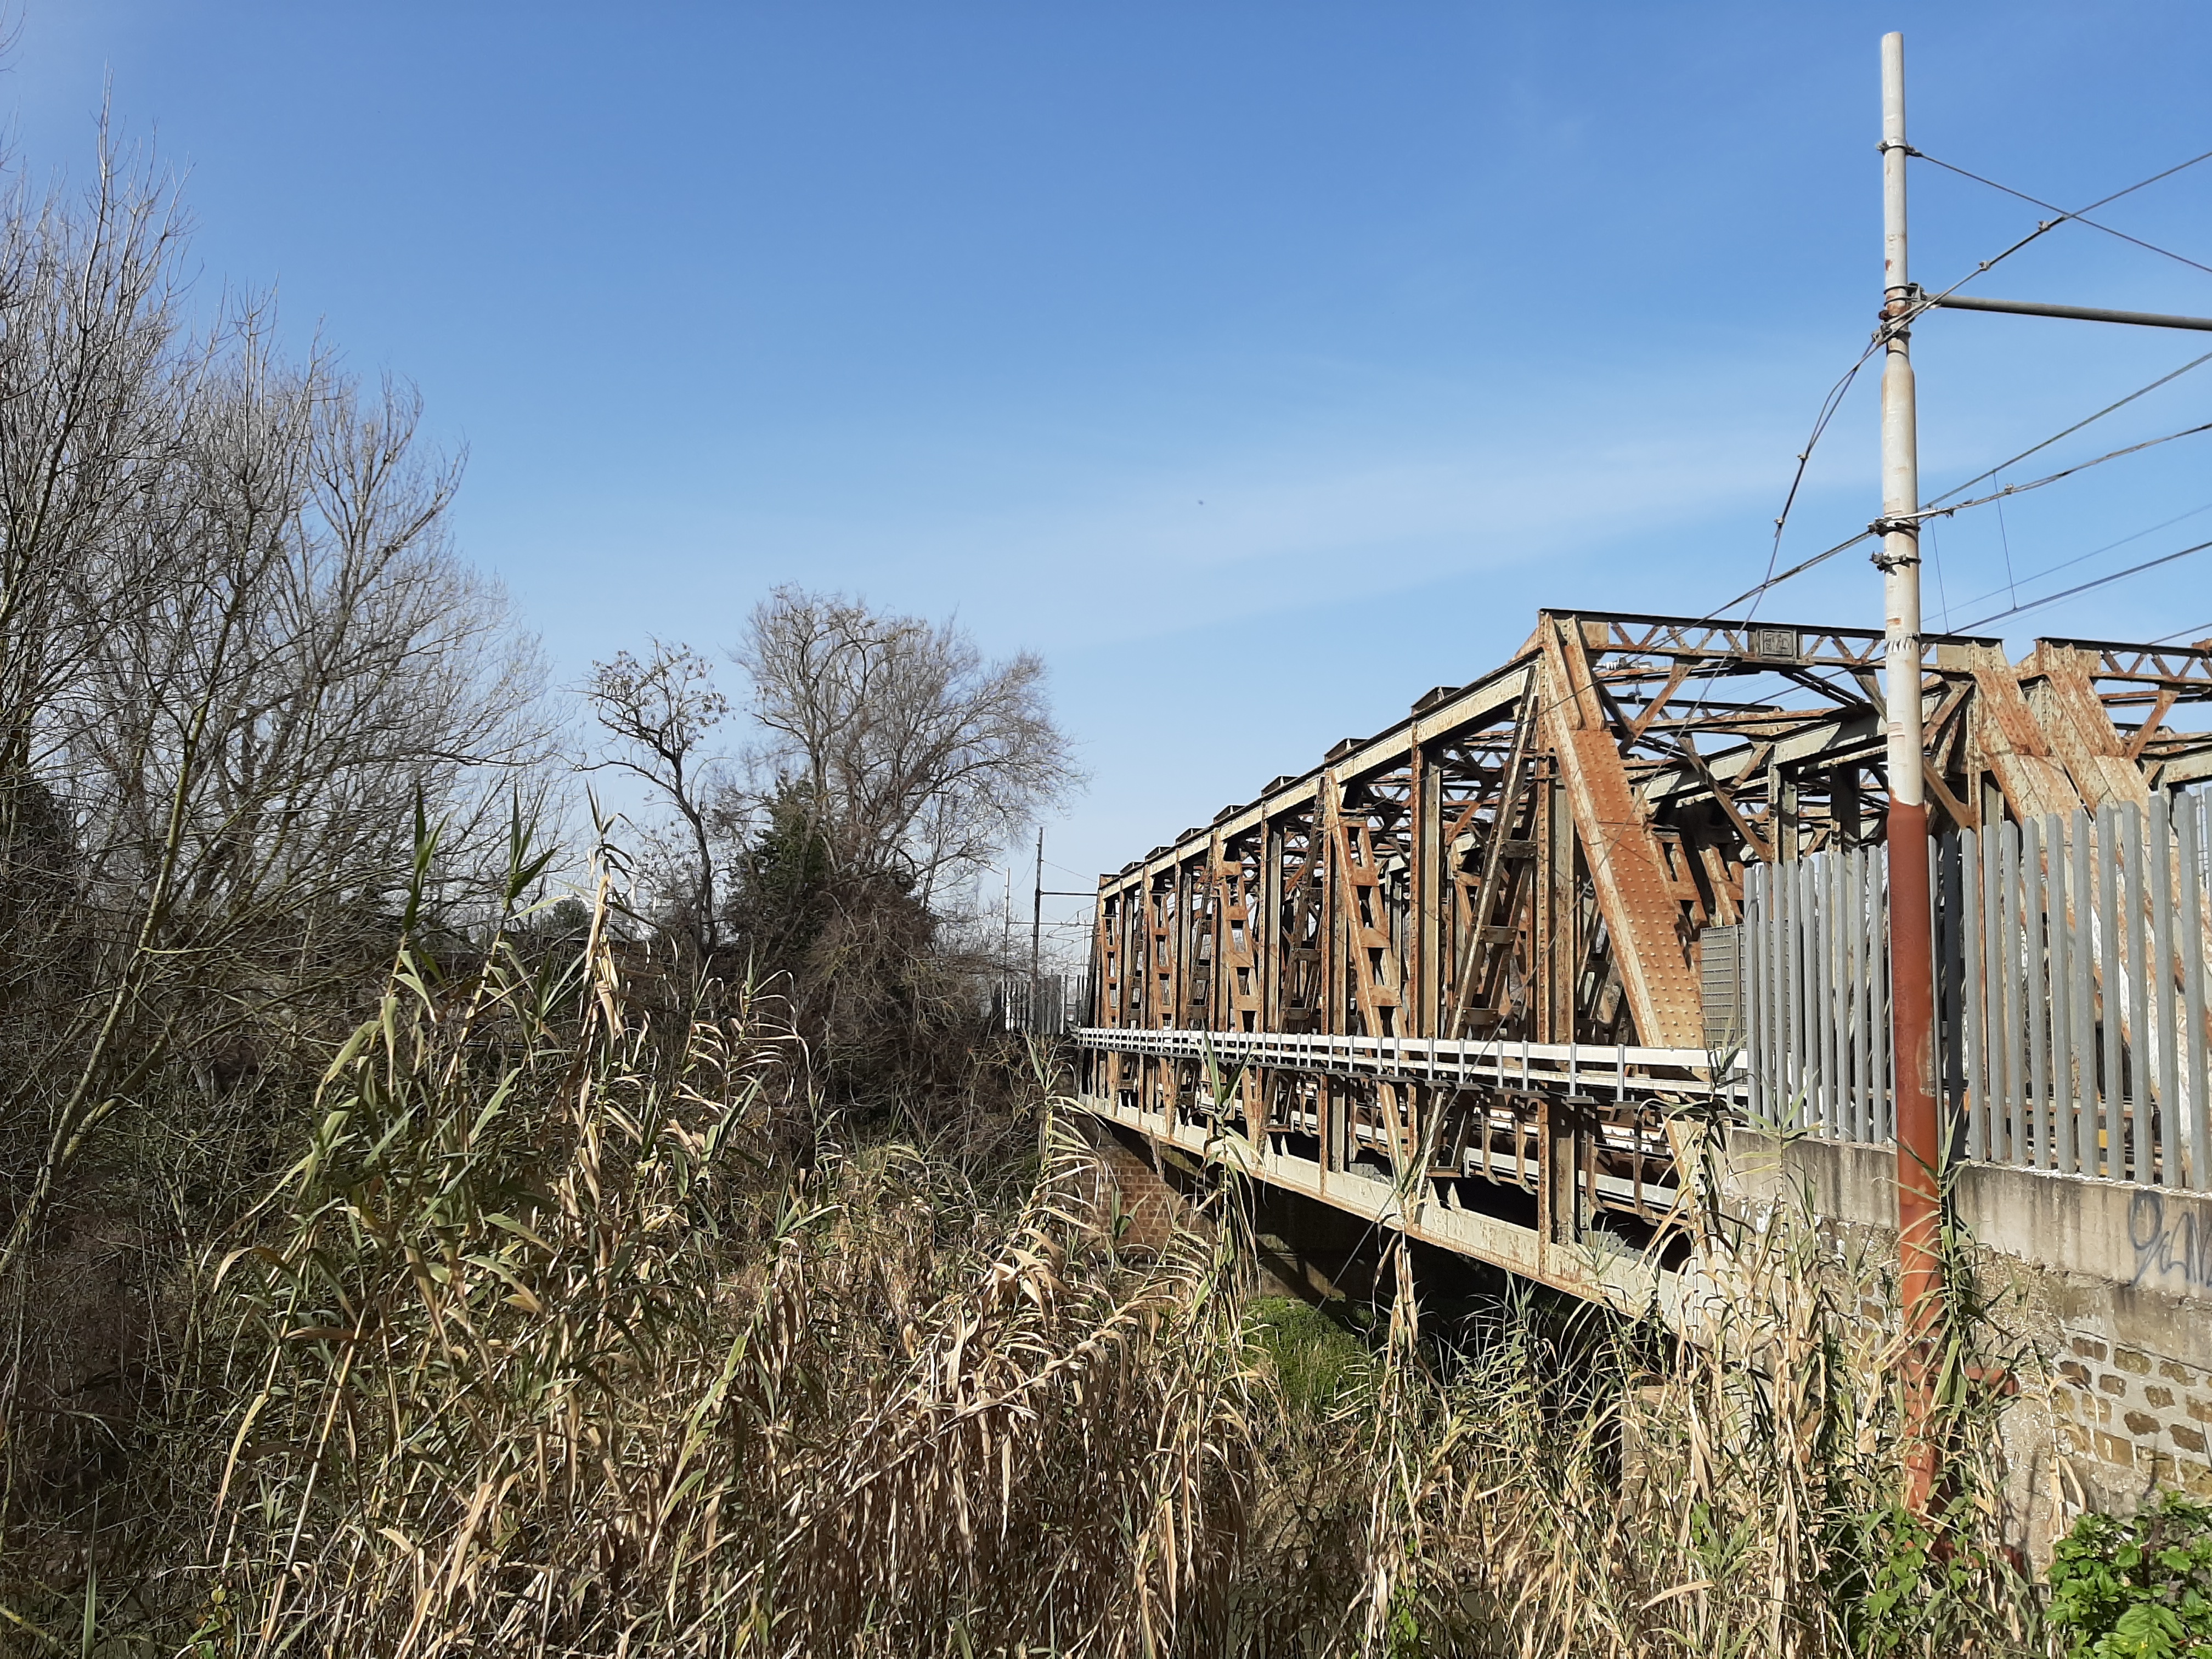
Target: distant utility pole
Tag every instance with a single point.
(1007, 932)
(1912, 978)
(1036, 934)
(1006, 968)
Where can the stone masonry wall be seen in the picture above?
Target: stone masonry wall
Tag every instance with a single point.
(2105, 1286)
(2134, 1413)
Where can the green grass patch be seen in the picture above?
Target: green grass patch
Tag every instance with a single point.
(1316, 1359)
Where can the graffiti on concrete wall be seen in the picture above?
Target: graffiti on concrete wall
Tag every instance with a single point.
(2172, 1241)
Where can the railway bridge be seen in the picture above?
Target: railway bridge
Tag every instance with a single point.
(1489, 976)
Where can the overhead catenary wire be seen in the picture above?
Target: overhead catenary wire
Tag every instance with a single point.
(1926, 301)
(1927, 513)
(2068, 593)
(1829, 405)
(1937, 509)
(2076, 215)
(1833, 401)
(1799, 569)
(2079, 558)
(1943, 506)
(2087, 420)
(1836, 393)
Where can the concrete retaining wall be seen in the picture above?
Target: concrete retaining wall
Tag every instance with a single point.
(2108, 1286)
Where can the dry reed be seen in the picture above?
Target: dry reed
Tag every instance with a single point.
(548, 1344)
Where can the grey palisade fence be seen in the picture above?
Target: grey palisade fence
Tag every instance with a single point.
(2070, 993)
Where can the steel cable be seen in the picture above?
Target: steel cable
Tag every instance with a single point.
(1836, 393)
(2068, 593)
(2076, 217)
(1937, 509)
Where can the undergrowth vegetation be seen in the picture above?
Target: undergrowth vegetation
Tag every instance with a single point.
(575, 1326)
(2140, 1588)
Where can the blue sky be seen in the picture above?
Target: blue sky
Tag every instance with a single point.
(1260, 365)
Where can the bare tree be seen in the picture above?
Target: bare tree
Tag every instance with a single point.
(269, 728)
(87, 329)
(238, 657)
(913, 756)
(659, 711)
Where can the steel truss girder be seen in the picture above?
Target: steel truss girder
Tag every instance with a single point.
(1533, 857)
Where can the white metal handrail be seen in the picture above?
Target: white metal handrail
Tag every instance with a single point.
(1624, 1069)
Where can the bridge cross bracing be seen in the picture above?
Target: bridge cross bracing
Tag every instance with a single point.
(1475, 975)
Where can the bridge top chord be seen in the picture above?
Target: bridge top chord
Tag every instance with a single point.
(1537, 854)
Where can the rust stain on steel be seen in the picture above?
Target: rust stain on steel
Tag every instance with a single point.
(1532, 857)
(1634, 892)
(2012, 741)
(2081, 731)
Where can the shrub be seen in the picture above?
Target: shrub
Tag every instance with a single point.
(2140, 1589)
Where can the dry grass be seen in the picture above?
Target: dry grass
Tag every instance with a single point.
(548, 1344)
(565, 1361)
(1570, 1486)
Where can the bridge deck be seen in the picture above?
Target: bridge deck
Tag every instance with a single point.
(1598, 1267)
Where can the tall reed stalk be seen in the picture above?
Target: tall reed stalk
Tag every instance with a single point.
(541, 1348)
(576, 1327)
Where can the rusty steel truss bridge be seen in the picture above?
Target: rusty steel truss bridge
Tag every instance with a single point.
(1474, 978)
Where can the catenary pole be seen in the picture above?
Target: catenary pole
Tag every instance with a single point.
(1919, 1150)
(1036, 934)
